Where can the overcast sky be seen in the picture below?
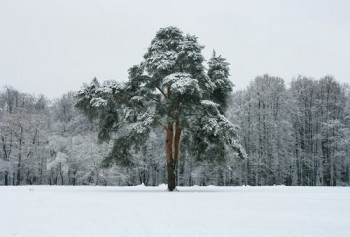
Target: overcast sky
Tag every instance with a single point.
(53, 46)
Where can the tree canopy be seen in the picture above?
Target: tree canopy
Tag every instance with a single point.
(170, 89)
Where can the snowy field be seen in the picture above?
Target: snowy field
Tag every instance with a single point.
(38, 211)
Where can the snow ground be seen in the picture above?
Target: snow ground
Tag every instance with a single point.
(38, 211)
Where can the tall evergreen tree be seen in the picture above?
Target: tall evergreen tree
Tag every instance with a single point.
(169, 89)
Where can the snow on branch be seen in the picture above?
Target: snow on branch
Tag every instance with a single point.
(98, 102)
(181, 83)
(209, 103)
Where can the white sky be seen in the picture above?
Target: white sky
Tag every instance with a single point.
(53, 46)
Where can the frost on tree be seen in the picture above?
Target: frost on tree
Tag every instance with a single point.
(170, 89)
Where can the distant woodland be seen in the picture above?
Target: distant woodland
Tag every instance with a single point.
(295, 134)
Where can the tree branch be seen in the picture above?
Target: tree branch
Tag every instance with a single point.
(157, 120)
(161, 91)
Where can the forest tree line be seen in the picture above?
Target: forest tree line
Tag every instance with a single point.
(293, 135)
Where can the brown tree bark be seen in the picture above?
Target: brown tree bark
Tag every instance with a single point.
(177, 145)
(177, 140)
(172, 146)
(169, 157)
(169, 134)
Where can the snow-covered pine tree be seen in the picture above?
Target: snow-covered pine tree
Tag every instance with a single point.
(169, 89)
(218, 72)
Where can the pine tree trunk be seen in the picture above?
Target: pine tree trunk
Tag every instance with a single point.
(6, 178)
(177, 147)
(169, 157)
(177, 140)
(171, 176)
